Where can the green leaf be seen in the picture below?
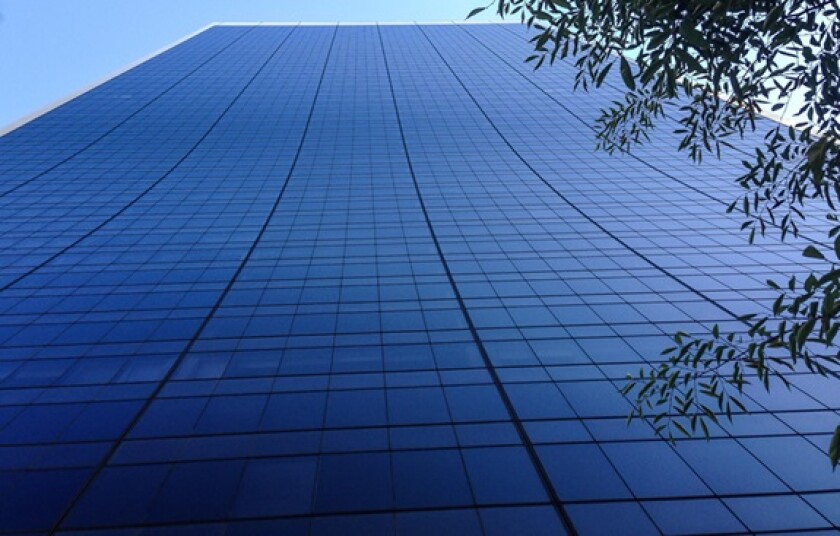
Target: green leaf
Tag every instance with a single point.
(603, 75)
(813, 253)
(681, 429)
(816, 158)
(694, 37)
(627, 74)
(476, 11)
(834, 449)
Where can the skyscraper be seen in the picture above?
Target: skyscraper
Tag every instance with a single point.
(374, 280)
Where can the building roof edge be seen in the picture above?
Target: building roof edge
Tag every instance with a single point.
(14, 125)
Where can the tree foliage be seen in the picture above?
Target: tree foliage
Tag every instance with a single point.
(712, 68)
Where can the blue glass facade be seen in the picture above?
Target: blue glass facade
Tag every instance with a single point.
(372, 280)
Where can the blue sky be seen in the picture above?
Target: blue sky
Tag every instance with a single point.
(49, 48)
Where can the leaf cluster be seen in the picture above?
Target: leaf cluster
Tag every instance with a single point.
(711, 69)
(702, 379)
